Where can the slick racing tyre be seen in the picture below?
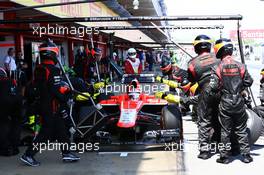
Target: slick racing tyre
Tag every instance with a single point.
(171, 118)
(254, 126)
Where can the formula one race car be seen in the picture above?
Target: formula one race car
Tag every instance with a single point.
(132, 116)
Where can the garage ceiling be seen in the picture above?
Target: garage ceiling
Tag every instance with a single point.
(146, 8)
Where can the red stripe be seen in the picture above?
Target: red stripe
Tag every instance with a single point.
(7, 45)
(242, 72)
(54, 49)
(48, 62)
(192, 69)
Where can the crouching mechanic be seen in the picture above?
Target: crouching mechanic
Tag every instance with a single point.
(132, 63)
(231, 78)
(52, 97)
(171, 70)
(177, 78)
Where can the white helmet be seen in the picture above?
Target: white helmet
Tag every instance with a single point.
(132, 53)
(134, 90)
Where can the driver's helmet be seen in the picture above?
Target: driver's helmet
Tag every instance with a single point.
(134, 90)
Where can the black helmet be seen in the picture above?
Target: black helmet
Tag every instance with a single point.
(202, 43)
(165, 66)
(48, 51)
(223, 47)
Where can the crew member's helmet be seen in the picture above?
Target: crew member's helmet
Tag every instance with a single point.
(132, 53)
(97, 54)
(202, 43)
(165, 66)
(48, 51)
(3, 73)
(223, 47)
(134, 90)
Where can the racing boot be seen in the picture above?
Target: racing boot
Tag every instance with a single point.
(29, 160)
(70, 157)
(223, 160)
(246, 158)
(204, 155)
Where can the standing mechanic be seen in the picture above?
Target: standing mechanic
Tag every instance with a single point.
(199, 70)
(132, 63)
(170, 70)
(52, 97)
(231, 78)
(10, 115)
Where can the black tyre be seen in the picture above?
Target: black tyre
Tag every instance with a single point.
(254, 126)
(171, 118)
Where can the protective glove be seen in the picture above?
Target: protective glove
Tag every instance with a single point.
(95, 95)
(99, 85)
(172, 98)
(159, 79)
(31, 120)
(172, 84)
(160, 95)
(81, 97)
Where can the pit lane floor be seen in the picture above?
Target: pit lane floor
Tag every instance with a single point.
(139, 162)
(195, 166)
(153, 163)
